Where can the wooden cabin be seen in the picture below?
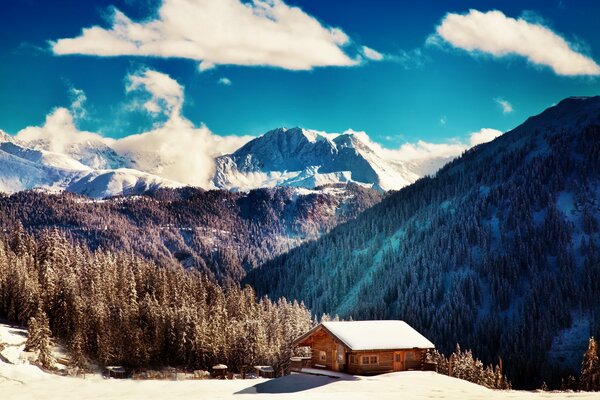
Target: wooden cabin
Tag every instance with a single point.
(364, 347)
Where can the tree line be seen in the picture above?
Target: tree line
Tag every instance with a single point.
(117, 308)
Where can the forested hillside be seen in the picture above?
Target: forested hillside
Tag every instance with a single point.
(500, 251)
(219, 233)
(112, 308)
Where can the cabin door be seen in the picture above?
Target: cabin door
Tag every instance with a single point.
(399, 361)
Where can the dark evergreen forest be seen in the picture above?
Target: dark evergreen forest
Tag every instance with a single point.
(499, 251)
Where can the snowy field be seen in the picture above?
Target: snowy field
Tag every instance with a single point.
(25, 382)
(21, 380)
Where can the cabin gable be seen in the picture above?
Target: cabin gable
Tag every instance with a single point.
(327, 351)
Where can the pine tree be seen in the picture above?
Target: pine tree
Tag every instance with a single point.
(39, 338)
(590, 367)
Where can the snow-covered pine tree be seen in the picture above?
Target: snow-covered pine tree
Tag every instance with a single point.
(39, 338)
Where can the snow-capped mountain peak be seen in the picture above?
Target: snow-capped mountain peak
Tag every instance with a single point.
(23, 168)
(308, 158)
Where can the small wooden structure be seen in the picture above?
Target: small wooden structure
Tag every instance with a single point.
(264, 371)
(115, 371)
(219, 371)
(363, 347)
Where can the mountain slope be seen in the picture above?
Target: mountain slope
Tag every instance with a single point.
(220, 233)
(499, 252)
(306, 158)
(90, 151)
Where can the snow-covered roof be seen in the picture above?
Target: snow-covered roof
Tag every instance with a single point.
(377, 335)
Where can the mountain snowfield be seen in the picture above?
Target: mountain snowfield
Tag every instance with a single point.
(19, 379)
(23, 167)
(307, 158)
(98, 167)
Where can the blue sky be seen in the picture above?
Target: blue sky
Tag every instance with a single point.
(422, 89)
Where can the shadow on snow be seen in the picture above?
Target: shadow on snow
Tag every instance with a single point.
(290, 384)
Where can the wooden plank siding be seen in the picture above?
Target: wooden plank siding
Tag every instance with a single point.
(320, 341)
(385, 361)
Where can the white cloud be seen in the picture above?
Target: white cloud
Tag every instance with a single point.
(507, 108)
(179, 151)
(443, 120)
(257, 32)
(58, 132)
(166, 94)
(421, 150)
(494, 33)
(78, 99)
(224, 81)
(176, 149)
(372, 54)
(483, 136)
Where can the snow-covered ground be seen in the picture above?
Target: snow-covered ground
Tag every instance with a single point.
(28, 382)
(22, 380)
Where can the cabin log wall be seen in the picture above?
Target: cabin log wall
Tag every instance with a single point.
(323, 342)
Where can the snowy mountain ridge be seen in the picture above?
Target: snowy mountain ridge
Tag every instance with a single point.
(307, 158)
(293, 157)
(23, 168)
(89, 164)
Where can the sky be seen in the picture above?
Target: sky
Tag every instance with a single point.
(402, 72)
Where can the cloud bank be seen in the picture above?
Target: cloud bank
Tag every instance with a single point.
(176, 149)
(496, 34)
(483, 136)
(251, 33)
(435, 154)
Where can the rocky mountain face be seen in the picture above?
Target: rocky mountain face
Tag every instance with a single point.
(305, 158)
(500, 251)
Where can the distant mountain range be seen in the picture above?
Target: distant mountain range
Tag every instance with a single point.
(499, 251)
(293, 157)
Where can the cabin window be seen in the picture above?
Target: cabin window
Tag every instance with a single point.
(352, 359)
(398, 357)
(322, 355)
(370, 360)
(409, 356)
